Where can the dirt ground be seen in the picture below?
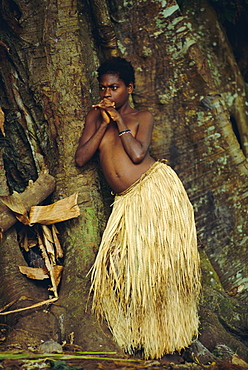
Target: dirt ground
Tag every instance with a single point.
(79, 364)
(79, 361)
(52, 355)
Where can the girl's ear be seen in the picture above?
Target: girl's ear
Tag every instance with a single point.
(130, 88)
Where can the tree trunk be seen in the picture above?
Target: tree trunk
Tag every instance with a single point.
(49, 55)
(223, 66)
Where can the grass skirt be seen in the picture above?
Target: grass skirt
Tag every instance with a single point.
(146, 276)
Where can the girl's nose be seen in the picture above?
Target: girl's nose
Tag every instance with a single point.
(107, 92)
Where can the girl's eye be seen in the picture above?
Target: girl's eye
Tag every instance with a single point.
(114, 88)
(101, 88)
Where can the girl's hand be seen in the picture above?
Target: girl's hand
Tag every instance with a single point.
(105, 103)
(105, 116)
(108, 111)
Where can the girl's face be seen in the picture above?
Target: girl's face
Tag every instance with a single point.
(114, 89)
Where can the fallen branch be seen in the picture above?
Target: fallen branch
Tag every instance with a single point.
(48, 301)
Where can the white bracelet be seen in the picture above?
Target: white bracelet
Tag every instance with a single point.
(124, 132)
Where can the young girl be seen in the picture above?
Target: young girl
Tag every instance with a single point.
(146, 276)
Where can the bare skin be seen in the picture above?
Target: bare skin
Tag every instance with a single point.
(123, 158)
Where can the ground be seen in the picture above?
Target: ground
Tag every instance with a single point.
(104, 362)
(73, 358)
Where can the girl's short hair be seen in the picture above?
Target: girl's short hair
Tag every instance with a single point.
(117, 66)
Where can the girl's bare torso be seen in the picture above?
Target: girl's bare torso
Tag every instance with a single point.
(119, 170)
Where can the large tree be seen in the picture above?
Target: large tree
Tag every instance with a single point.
(187, 76)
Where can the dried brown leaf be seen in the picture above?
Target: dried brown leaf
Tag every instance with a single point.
(34, 273)
(54, 229)
(2, 118)
(61, 210)
(49, 248)
(47, 233)
(25, 243)
(32, 243)
(57, 273)
(48, 265)
(14, 203)
(22, 218)
(58, 248)
(44, 254)
(238, 361)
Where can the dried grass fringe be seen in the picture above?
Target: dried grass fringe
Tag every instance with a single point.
(146, 277)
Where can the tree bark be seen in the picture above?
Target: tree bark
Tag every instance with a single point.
(223, 66)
